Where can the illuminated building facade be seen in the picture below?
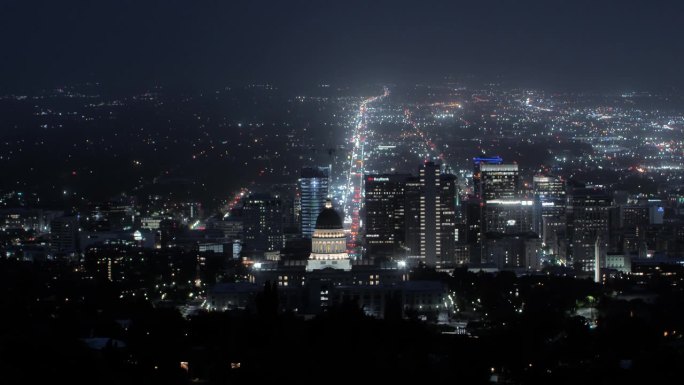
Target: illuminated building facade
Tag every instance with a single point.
(589, 220)
(384, 213)
(313, 191)
(262, 223)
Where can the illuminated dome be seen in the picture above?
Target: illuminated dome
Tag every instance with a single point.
(328, 243)
(329, 219)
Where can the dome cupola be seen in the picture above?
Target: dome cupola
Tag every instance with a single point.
(329, 219)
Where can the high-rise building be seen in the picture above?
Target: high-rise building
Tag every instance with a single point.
(437, 215)
(430, 213)
(477, 163)
(64, 234)
(419, 214)
(313, 191)
(499, 181)
(504, 209)
(555, 237)
(550, 217)
(514, 251)
(472, 214)
(449, 232)
(262, 220)
(645, 212)
(412, 194)
(509, 216)
(589, 214)
(384, 213)
(551, 190)
(287, 192)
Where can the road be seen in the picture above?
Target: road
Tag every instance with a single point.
(429, 149)
(353, 201)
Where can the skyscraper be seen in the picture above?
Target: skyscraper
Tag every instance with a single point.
(550, 214)
(313, 191)
(262, 223)
(504, 209)
(589, 219)
(429, 208)
(430, 214)
(513, 251)
(549, 193)
(477, 164)
(472, 213)
(384, 213)
(412, 194)
(509, 216)
(448, 190)
(499, 181)
(549, 189)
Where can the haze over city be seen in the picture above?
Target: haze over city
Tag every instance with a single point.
(231, 192)
(577, 44)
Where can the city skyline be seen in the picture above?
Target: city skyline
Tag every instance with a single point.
(227, 192)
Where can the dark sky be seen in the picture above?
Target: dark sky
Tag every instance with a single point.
(616, 43)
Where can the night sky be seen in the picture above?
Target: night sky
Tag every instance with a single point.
(581, 43)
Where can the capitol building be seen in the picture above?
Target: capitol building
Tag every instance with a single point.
(328, 243)
(329, 277)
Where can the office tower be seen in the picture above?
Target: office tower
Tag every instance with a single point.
(477, 163)
(589, 213)
(514, 251)
(643, 213)
(504, 211)
(634, 216)
(313, 191)
(472, 213)
(499, 181)
(448, 216)
(551, 203)
(430, 205)
(412, 194)
(430, 214)
(555, 237)
(384, 213)
(262, 219)
(551, 194)
(64, 234)
(290, 206)
(287, 192)
(551, 190)
(509, 216)
(635, 222)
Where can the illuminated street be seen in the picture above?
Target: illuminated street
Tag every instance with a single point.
(247, 192)
(354, 190)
